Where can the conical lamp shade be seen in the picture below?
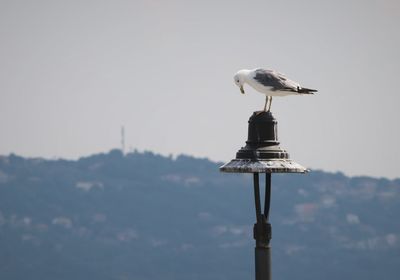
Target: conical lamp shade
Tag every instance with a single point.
(262, 153)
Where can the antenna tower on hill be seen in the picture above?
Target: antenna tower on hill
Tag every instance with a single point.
(123, 140)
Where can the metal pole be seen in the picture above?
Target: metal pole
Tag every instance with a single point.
(267, 195)
(257, 197)
(262, 231)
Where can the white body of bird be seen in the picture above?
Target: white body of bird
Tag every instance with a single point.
(269, 82)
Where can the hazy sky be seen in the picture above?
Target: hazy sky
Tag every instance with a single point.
(73, 72)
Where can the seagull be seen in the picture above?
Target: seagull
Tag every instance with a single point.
(269, 82)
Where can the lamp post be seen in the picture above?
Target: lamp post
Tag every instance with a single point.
(262, 154)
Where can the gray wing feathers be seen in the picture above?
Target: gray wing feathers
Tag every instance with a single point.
(278, 81)
(275, 80)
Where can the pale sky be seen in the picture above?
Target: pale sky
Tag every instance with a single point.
(73, 72)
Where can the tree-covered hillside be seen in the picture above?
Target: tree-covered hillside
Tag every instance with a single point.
(145, 216)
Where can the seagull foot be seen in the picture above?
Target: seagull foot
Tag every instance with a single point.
(259, 112)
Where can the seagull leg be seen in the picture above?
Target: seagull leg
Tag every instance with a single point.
(266, 102)
(270, 103)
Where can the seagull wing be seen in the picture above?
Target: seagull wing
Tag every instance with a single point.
(275, 80)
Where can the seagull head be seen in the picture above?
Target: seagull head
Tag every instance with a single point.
(239, 79)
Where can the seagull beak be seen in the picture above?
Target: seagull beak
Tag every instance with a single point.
(241, 89)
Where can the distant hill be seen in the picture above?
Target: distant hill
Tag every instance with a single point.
(145, 216)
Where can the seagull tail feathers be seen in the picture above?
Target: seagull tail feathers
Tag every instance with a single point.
(306, 90)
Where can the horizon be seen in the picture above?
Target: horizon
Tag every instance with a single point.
(175, 156)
